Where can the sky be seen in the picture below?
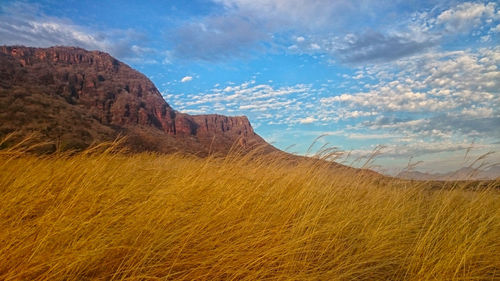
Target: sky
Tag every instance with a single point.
(416, 82)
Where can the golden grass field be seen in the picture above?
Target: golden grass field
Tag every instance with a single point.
(101, 215)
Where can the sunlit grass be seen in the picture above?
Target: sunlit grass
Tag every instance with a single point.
(100, 215)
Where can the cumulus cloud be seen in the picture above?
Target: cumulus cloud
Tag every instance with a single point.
(426, 104)
(478, 112)
(307, 120)
(314, 46)
(466, 16)
(186, 79)
(419, 148)
(436, 95)
(439, 95)
(274, 105)
(368, 136)
(412, 36)
(23, 24)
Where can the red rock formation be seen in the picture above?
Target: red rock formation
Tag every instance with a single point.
(110, 98)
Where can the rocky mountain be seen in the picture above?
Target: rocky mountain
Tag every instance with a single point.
(75, 97)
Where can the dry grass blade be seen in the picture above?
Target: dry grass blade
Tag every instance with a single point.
(102, 214)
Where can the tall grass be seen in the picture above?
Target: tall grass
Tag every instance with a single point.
(100, 215)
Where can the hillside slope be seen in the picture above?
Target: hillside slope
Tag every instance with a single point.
(75, 97)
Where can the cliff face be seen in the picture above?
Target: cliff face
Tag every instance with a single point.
(70, 94)
(111, 91)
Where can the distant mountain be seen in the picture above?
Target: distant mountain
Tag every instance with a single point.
(465, 173)
(75, 97)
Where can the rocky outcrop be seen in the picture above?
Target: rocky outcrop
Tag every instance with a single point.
(111, 91)
(103, 98)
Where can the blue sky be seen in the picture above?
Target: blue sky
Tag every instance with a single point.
(420, 78)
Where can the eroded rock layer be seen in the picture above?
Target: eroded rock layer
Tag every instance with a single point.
(75, 97)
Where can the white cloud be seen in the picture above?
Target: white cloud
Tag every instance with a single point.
(478, 112)
(297, 12)
(496, 29)
(249, 98)
(435, 96)
(414, 35)
(485, 38)
(307, 120)
(46, 32)
(466, 16)
(367, 136)
(218, 37)
(430, 83)
(186, 79)
(426, 104)
(23, 24)
(415, 148)
(376, 46)
(251, 24)
(315, 46)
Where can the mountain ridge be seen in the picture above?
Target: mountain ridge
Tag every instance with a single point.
(465, 173)
(79, 97)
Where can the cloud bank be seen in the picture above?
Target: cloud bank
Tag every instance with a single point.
(25, 24)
